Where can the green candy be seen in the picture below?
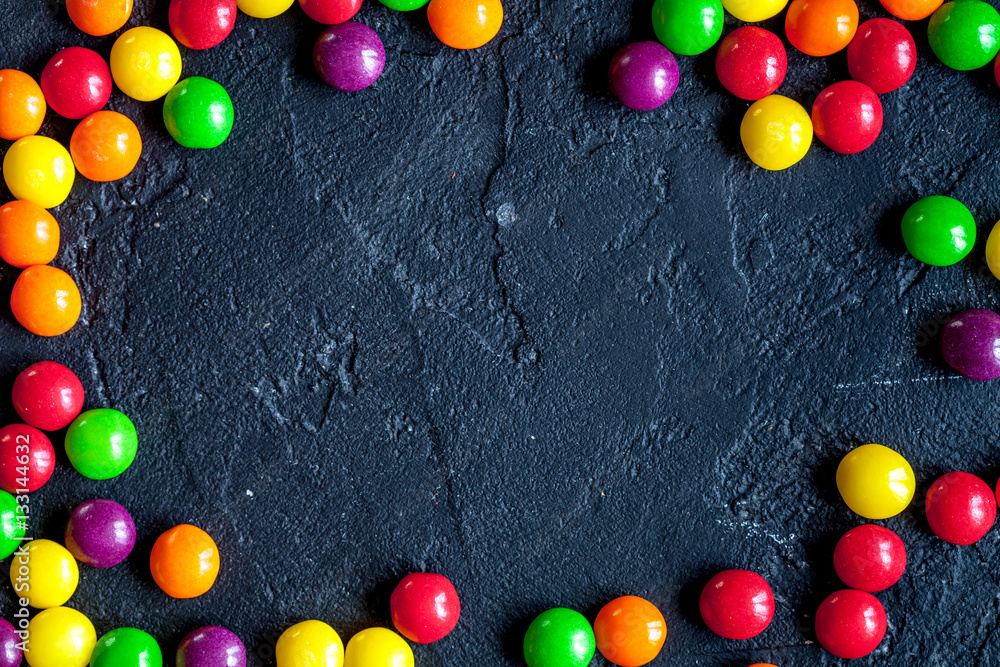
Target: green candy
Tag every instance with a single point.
(404, 5)
(12, 524)
(101, 444)
(126, 647)
(965, 35)
(688, 27)
(198, 113)
(939, 230)
(559, 638)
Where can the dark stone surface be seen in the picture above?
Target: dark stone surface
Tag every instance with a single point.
(480, 319)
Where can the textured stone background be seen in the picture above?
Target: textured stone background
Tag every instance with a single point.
(480, 319)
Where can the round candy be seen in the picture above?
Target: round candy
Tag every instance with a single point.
(202, 24)
(22, 105)
(965, 35)
(751, 62)
(127, 647)
(198, 113)
(330, 12)
(10, 645)
(99, 17)
(76, 82)
(377, 647)
(264, 9)
(312, 643)
(349, 56)
(776, 132)
(44, 573)
(821, 27)
(559, 638)
(424, 607)
(960, 508)
(60, 637)
(211, 646)
(47, 395)
(101, 443)
(184, 562)
(870, 558)
(465, 24)
(404, 5)
(882, 55)
(27, 459)
(751, 11)
(993, 251)
(939, 230)
(688, 27)
(737, 604)
(911, 10)
(29, 234)
(850, 624)
(630, 631)
(970, 343)
(643, 75)
(875, 481)
(100, 533)
(13, 524)
(145, 63)
(45, 300)
(105, 146)
(847, 117)
(39, 170)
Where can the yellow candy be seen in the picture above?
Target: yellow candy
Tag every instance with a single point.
(776, 132)
(39, 170)
(310, 644)
(60, 637)
(145, 63)
(875, 481)
(264, 9)
(993, 250)
(378, 647)
(44, 573)
(752, 11)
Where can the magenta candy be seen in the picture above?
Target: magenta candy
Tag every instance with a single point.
(211, 646)
(349, 56)
(10, 651)
(643, 75)
(100, 533)
(970, 344)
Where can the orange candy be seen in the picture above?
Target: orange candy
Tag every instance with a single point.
(821, 27)
(184, 562)
(45, 300)
(29, 234)
(22, 105)
(911, 10)
(465, 24)
(630, 631)
(105, 146)
(99, 17)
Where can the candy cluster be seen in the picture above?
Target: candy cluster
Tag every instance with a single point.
(751, 63)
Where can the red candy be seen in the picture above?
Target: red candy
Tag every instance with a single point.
(47, 395)
(330, 12)
(847, 117)
(737, 604)
(751, 62)
(201, 24)
(850, 624)
(424, 607)
(960, 508)
(870, 558)
(882, 55)
(76, 82)
(26, 459)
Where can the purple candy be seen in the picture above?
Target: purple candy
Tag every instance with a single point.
(10, 651)
(643, 75)
(100, 533)
(349, 56)
(211, 646)
(970, 344)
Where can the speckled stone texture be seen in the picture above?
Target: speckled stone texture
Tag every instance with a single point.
(480, 319)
